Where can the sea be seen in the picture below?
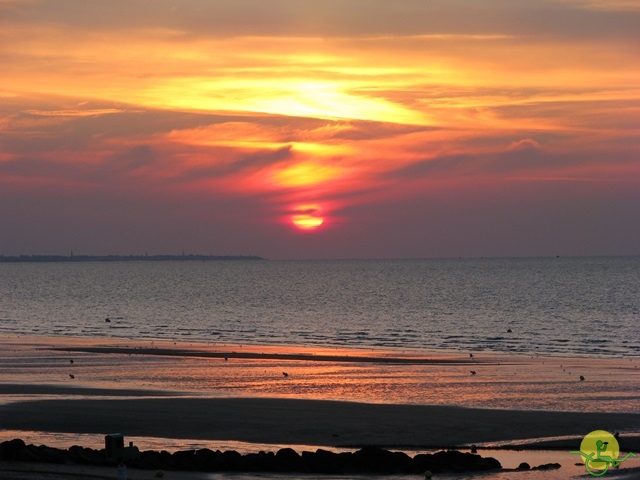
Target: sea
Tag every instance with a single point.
(555, 306)
(563, 314)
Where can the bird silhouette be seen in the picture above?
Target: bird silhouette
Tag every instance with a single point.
(285, 374)
(71, 375)
(581, 378)
(473, 372)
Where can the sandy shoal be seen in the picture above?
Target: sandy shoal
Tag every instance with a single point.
(310, 422)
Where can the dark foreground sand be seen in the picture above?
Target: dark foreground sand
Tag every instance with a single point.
(311, 422)
(287, 421)
(30, 471)
(33, 404)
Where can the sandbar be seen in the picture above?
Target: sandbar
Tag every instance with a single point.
(249, 400)
(310, 422)
(252, 355)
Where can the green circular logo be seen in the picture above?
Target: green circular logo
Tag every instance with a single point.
(599, 451)
(601, 447)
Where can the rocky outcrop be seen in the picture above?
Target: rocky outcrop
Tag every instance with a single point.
(365, 460)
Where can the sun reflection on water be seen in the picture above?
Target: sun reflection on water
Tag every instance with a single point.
(501, 381)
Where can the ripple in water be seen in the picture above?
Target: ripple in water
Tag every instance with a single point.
(564, 306)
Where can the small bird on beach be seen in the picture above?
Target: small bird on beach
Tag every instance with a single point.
(581, 378)
(473, 372)
(108, 320)
(471, 355)
(285, 374)
(71, 375)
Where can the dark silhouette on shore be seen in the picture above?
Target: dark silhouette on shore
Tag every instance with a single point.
(367, 460)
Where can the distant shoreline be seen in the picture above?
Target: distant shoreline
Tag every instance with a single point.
(122, 258)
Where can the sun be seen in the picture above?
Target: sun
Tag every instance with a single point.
(307, 217)
(306, 222)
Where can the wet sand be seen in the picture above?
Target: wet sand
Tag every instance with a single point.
(388, 359)
(311, 422)
(186, 391)
(38, 471)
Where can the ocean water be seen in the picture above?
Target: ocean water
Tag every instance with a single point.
(553, 307)
(556, 306)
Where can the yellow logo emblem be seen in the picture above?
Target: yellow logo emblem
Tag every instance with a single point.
(600, 450)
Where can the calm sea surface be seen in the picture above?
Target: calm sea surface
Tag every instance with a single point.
(548, 306)
(560, 306)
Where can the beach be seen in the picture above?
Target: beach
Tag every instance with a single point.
(47, 401)
(308, 422)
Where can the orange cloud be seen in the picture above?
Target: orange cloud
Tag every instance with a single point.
(317, 111)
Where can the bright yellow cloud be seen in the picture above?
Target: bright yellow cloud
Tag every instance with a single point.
(306, 174)
(323, 105)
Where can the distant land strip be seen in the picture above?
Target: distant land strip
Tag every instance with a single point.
(122, 258)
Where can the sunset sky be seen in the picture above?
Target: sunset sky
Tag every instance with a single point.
(332, 129)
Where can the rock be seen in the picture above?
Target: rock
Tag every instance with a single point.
(184, 460)
(259, 462)
(378, 460)
(324, 461)
(547, 466)
(423, 462)
(86, 456)
(368, 460)
(28, 454)
(288, 460)
(10, 448)
(524, 466)
(51, 455)
(487, 463)
(206, 460)
(149, 460)
(231, 461)
(455, 461)
(152, 460)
